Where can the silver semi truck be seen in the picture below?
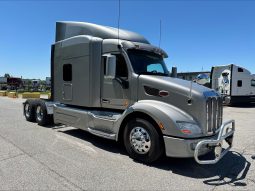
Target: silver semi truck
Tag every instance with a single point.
(114, 84)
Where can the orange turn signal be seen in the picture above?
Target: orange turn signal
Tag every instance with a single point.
(161, 126)
(186, 131)
(126, 103)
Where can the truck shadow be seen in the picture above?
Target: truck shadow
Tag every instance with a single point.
(230, 170)
(105, 144)
(242, 105)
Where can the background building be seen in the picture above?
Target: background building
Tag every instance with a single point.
(191, 76)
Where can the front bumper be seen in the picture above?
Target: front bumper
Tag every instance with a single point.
(183, 148)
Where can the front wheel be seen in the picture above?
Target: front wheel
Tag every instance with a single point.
(142, 141)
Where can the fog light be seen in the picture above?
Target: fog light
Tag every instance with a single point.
(217, 150)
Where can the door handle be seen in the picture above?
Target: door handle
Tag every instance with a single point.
(105, 101)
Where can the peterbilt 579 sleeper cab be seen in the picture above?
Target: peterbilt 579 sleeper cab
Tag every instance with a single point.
(118, 87)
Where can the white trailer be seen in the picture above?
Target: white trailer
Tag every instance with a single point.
(235, 83)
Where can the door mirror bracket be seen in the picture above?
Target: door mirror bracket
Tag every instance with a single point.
(124, 83)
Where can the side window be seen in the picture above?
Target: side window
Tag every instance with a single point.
(67, 72)
(240, 70)
(104, 63)
(252, 82)
(239, 83)
(121, 66)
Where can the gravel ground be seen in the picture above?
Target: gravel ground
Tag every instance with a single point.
(64, 158)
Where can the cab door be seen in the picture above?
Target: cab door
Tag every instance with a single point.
(115, 91)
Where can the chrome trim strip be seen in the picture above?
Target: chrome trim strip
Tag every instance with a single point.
(102, 134)
(213, 114)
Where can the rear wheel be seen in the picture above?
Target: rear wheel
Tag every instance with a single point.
(142, 141)
(41, 115)
(29, 110)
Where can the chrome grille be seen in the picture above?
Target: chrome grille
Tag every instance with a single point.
(213, 114)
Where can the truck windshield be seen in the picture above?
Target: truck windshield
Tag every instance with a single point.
(144, 62)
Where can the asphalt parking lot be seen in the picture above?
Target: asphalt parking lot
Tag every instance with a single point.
(63, 158)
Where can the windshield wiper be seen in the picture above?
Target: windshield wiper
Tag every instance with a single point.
(153, 73)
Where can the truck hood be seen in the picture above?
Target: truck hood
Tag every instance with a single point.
(174, 85)
(180, 95)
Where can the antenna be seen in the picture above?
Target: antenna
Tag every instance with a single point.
(159, 33)
(119, 25)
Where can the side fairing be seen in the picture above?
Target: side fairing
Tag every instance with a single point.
(76, 61)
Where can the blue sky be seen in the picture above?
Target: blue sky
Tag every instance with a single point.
(195, 34)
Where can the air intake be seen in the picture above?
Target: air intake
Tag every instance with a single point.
(214, 114)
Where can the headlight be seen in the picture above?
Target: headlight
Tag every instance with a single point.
(189, 128)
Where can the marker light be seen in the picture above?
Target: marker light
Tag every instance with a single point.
(161, 126)
(126, 103)
(186, 131)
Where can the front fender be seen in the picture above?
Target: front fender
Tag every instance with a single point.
(161, 113)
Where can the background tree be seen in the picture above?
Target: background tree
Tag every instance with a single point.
(6, 75)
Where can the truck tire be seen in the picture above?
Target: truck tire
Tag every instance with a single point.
(142, 141)
(41, 115)
(29, 110)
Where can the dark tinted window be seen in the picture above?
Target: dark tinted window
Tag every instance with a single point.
(67, 72)
(121, 66)
(104, 61)
(239, 83)
(252, 82)
(240, 70)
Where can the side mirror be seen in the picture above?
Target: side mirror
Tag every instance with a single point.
(110, 66)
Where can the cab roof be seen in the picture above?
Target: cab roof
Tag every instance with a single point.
(67, 29)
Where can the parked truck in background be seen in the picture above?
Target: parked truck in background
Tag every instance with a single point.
(115, 84)
(235, 83)
(10, 83)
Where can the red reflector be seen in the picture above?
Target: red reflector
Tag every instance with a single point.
(186, 131)
(163, 93)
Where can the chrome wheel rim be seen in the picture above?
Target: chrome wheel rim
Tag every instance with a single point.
(140, 140)
(27, 110)
(39, 113)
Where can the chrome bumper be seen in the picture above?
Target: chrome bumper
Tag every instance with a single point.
(226, 133)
